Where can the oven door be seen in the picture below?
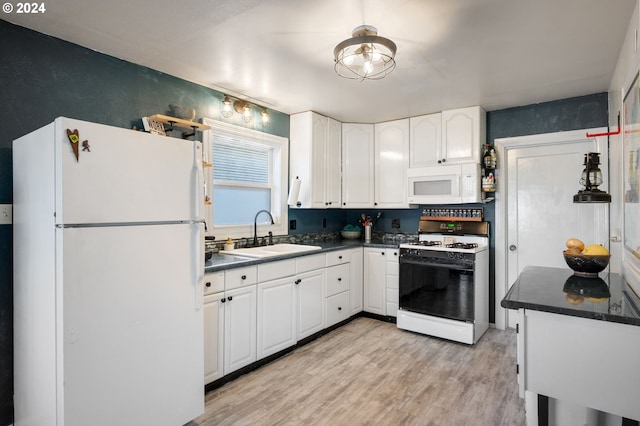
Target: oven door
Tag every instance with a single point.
(437, 289)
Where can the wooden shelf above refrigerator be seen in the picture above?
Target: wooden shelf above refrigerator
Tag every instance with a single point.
(180, 123)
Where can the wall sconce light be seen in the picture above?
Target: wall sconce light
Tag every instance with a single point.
(244, 108)
(264, 117)
(227, 110)
(591, 178)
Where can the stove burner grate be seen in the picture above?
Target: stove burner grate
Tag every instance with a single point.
(462, 245)
(429, 243)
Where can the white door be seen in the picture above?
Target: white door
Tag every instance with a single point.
(542, 174)
(131, 326)
(125, 176)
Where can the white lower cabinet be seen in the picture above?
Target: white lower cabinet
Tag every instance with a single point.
(356, 280)
(276, 316)
(375, 281)
(337, 308)
(392, 278)
(240, 328)
(213, 312)
(309, 303)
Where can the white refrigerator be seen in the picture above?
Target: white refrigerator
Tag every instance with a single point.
(108, 269)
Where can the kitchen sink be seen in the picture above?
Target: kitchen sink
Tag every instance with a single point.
(271, 251)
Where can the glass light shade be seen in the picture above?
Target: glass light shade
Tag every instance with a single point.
(227, 109)
(264, 116)
(595, 177)
(246, 114)
(365, 56)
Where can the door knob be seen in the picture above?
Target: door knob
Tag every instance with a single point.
(512, 247)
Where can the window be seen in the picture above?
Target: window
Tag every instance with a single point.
(249, 174)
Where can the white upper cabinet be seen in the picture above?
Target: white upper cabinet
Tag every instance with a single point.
(451, 137)
(425, 140)
(391, 164)
(357, 165)
(315, 158)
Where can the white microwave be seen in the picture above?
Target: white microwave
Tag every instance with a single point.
(450, 184)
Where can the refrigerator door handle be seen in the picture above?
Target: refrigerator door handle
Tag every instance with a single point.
(199, 178)
(198, 263)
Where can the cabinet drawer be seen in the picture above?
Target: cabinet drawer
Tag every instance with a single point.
(337, 307)
(309, 263)
(338, 279)
(274, 270)
(338, 257)
(240, 277)
(213, 282)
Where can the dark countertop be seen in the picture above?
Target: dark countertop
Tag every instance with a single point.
(607, 298)
(221, 262)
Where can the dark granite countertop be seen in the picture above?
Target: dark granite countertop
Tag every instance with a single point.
(221, 262)
(557, 290)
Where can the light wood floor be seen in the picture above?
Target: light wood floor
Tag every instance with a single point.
(370, 373)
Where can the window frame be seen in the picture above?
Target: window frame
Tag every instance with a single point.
(279, 175)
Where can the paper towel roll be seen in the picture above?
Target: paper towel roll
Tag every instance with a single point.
(294, 191)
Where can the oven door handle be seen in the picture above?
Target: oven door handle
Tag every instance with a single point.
(438, 265)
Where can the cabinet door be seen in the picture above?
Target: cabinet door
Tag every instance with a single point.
(333, 158)
(310, 303)
(318, 161)
(337, 308)
(392, 281)
(391, 164)
(425, 136)
(463, 134)
(239, 328)
(276, 316)
(357, 165)
(213, 337)
(375, 281)
(356, 281)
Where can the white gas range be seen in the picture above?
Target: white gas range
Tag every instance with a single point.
(444, 281)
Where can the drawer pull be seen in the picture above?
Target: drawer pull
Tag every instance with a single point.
(339, 279)
(223, 300)
(244, 277)
(340, 257)
(208, 284)
(298, 281)
(339, 308)
(230, 298)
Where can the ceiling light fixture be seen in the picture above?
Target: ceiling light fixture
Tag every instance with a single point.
(227, 110)
(365, 56)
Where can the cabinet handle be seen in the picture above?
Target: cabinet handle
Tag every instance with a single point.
(298, 281)
(339, 279)
(223, 300)
(444, 160)
(344, 204)
(207, 284)
(339, 308)
(244, 277)
(340, 257)
(382, 253)
(395, 253)
(230, 298)
(439, 161)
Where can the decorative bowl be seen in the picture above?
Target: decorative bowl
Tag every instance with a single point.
(351, 235)
(586, 265)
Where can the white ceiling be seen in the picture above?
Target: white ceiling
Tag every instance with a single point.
(279, 53)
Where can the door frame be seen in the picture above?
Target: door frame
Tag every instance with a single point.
(502, 146)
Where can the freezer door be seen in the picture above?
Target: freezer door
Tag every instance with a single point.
(131, 346)
(122, 175)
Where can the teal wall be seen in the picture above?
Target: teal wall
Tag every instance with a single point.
(43, 78)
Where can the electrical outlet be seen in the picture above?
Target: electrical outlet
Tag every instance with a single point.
(395, 223)
(6, 214)
(292, 224)
(324, 222)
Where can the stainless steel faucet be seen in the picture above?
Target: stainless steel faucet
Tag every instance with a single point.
(255, 225)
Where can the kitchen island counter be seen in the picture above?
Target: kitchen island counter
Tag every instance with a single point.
(578, 343)
(558, 291)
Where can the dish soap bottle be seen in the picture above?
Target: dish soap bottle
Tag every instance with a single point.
(228, 245)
